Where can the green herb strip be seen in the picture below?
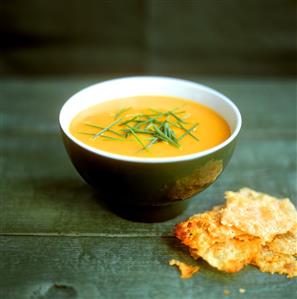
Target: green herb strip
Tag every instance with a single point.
(101, 128)
(86, 133)
(177, 117)
(129, 121)
(161, 135)
(188, 132)
(113, 138)
(123, 110)
(107, 128)
(136, 137)
(153, 141)
(149, 124)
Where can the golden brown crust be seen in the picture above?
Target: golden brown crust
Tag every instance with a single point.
(227, 249)
(253, 228)
(258, 214)
(285, 243)
(270, 261)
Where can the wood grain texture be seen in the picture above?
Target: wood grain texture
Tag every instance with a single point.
(59, 240)
(219, 37)
(71, 36)
(125, 267)
(148, 36)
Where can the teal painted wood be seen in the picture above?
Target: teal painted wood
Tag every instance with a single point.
(43, 200)
(122, 267)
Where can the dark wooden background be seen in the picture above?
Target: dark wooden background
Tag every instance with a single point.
(150, 36)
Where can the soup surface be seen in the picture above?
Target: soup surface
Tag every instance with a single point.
(150, 126)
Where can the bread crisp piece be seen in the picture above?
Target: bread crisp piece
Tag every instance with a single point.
(269, 261)
(186, 271)
(285, 243)
(231, 255)
(258, 214)
(225, 248)
(252, 228)
(209, 222)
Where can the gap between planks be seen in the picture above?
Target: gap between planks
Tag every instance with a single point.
(102, 235)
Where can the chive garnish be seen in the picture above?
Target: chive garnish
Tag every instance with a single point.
(107, 128)
(154, 140)
(164, 137)
(159, 126)
(188, 132)
(99, 127)
(121, 111)
(129, 120)
(176, 117)
(139, 131)
(136, 137)
(86, 133)
(113, 138)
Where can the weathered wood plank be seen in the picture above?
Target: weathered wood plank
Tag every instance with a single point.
(152, 36)
(96, 36)
(221, 37)
(92, 268)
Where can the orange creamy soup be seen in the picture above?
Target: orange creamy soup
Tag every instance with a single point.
(150, 126)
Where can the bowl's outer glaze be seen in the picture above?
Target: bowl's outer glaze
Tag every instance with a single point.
(148, 191)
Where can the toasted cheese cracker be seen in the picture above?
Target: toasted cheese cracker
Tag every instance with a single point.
(222, 247)
(231, 255)
(285, 243)
(252, 228)
(258, 214)
(269, 261)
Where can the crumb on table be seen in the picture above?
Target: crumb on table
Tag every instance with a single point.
(186, 271)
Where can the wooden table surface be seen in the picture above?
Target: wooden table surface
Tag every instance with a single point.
(58, 240)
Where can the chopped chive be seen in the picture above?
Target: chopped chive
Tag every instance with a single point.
(154, 140)
(188, 132)
(176, 117)
(178, 107)
(171, 133)
(107, 128)
(139, 131)
(136, 137)
(158, 126)
(186, 116)
(154, 110)
(149, 125)
(138, 125)
(121, 111)
(162, 136)
(99, 127)
(86, 133)
(104, 136)
(174, 124)
(112, 138)
(129, 120)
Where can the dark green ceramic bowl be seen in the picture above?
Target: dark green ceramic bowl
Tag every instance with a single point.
(149, 189)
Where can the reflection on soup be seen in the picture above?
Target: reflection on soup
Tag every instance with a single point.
(150, 126)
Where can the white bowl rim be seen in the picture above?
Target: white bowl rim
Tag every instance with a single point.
(181, 158)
